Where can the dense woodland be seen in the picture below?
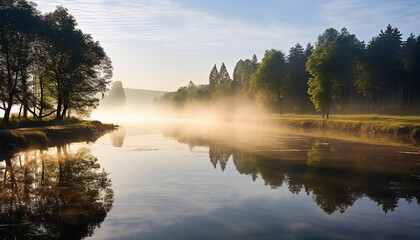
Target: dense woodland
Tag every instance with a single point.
(339, 73)
(48, 67)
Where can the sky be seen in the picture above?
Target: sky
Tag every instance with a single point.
(164, 44)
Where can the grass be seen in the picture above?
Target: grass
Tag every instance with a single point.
(44, 135)
(375, 125)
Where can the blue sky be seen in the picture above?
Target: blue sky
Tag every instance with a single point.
(163, 44)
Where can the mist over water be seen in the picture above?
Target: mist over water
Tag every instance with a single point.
(134, 112)
(185, 179)
(208, 173)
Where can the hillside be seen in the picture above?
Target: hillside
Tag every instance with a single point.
(130, 98)
(141, 96)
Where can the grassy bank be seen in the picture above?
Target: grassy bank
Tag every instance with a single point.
(372, 125)
(50, 135)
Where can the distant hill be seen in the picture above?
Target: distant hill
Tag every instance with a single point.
(116, 96)
(137, 98)
(141, 96)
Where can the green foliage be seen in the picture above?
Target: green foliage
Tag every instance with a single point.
(214, 76)
(381, 70)
(220, 92)
(200, 95)
(242, 75)
(243, 71)
(324, 87)
(349, 50)
(341, 73)
(224, 77)
(180, 97)
(78, 67)
(363, 81)
(270, 78)
(19, 22)
(220, 89)
(297, 77)
(46, 61)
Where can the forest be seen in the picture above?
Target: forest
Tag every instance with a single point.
(48, 67)
(338, 73)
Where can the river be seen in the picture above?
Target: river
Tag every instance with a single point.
(211, 182)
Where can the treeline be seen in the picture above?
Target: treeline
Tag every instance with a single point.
(340, 72)
(47, 65)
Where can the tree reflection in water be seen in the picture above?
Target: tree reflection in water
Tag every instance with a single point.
(335, 174)
(53, 194)
(117, 137)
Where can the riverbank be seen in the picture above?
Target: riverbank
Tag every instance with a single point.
(43, 136)
(363, 125)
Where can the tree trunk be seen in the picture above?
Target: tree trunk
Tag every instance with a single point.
(279, 96)
(7, 111)
(24, 97)
(58, 116)
(63, 114)
(409, 91)
(11, 87)
(279, 107)
(41, 88)
(59, 99)
(402, 88)
(328, 112)
(20, 110)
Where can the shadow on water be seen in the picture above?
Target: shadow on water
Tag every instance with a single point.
(336, 173)
(54, 193)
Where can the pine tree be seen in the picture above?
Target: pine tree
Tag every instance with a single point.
(255, 63)
(224, 75)
(214, 76)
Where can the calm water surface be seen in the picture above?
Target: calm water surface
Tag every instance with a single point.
(185, 182)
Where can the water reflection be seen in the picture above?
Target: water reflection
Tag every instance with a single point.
(335, 173)
(117, 137)
(54, 193)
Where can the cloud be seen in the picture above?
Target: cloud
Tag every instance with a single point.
(369, 17)
(172, 25)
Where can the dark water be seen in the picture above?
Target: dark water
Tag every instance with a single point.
(187, 182)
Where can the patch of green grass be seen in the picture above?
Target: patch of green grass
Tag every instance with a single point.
(10, 138)
(41, 136)
(376, 125)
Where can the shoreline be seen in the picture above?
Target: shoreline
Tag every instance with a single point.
(44, 136)
(373, 126)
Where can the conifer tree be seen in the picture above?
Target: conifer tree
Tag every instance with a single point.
(224, 75)
(214, 76)
(255, 63)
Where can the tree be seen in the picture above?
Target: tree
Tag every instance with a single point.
(328, 36)
(349, 51)
(116, 97)
(48, 189)
(18, 23)
(255, 64)
(270, 79)
(78, 67)
(242, 75)
(214, 76)
(410, 57)
(324, 86)
(243, 71)
(308, 50)
(381, 67)
(224, 77)
(40, 100)
(297, 76)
